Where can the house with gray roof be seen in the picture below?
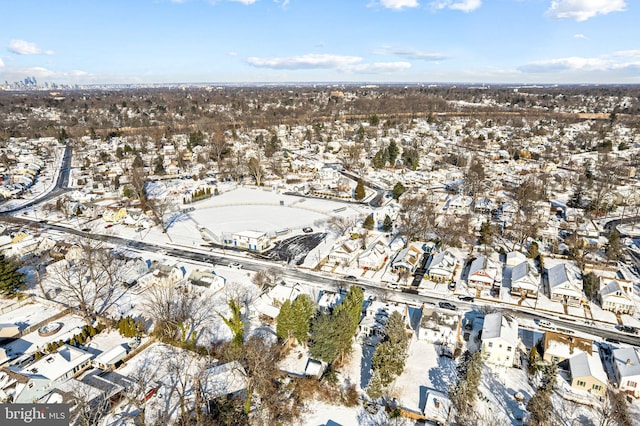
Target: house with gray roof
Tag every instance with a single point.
(626, 367)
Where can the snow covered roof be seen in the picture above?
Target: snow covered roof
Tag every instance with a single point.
(225, 379)
(585, 365)
(497, 325)
(627, 361)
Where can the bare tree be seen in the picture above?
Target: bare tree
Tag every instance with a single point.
(417, 216)
(176, 313)
(218, 146)
(614, 410)
(254, 165)
(160, 209)
(92, 282)
(341, 225)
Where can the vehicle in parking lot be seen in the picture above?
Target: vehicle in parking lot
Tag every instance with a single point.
(447, 305)
(307, 229)
(350, 277)
(235, 265)
(466, 298)
(452, 285)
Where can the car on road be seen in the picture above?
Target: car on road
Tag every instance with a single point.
(628, 329)
(235, 265)
(447, 305)
(466, 298)
(86, 229)
(350, 278)
(108, 226)
(452, 285)
(307, 230)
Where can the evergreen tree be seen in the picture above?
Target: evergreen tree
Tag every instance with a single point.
(332, 335)
(11, 280)
(393, 152)
(284, 321)
(303, 310)
(375, 389)
(235, 323)
(387, 225)
(360, 192)
(398, 190)
(378, 160)
(613, 251)
(368, 222)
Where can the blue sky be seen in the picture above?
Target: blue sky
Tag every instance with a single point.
(474, 41)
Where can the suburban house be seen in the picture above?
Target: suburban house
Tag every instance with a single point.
(499, 339)
(376, 315)
(250, 240)
(329, 300)
(616, 295)
(375, 256)
(442, 267)
(344, 252)
(407, 259)
(208, 279)
(224, 380)
(515, 258)
(49, 371)
(114, 214)
(564, 285)
(164, 275)
(525, 280)
(586, 373)
(437, 407)
(559, 347)
(482, 273)
(269, 304)
(626, 367)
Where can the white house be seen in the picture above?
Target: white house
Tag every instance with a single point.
(51, 370)
(437, 407)
(626, 367)
(344, 252)
(376, 316)
(375, 256)
(616, 296)
(515, 258)
(251, 240)
(482, 272)
(499, 339)
(563, 285)
(442, 267)
(525, 280)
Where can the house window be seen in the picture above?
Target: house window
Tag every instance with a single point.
(555, 359)
(596, 387)
(631, 384)
(490, 344)
(508, 348)
(581, 383)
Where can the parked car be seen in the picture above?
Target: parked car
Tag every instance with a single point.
(447, 305)
(235, 265)
(350, 278)
(466, 298)
(452, 285)
(307, 230)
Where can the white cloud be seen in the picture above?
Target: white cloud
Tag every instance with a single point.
(22, 47)
(581, 10)
(409, 53)
(399, 4)
(628, 60)
(627, 53)
(309, 61)
(461, 5)
(581, 36)
(245, 2)
(1, 63)
(283, 3)
(232, 53)
(379, 67)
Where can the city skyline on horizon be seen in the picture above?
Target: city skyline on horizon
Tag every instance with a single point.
(376, 42)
